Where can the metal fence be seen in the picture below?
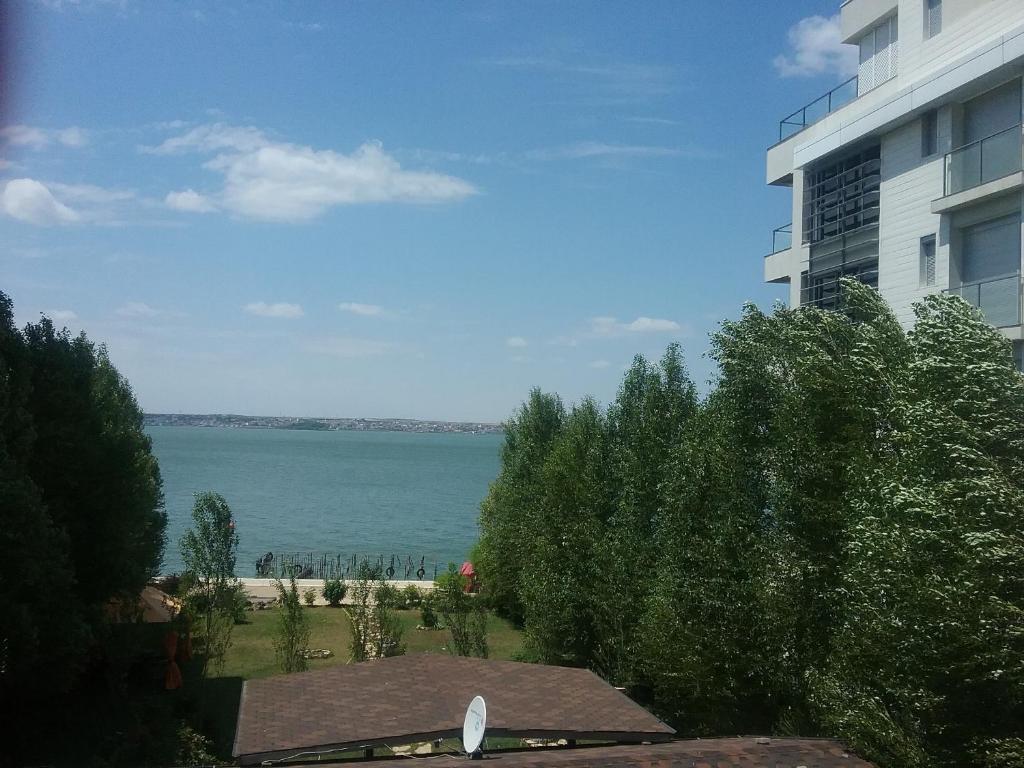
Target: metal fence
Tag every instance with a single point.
(322, 565)
(839, 96)
(782, 238)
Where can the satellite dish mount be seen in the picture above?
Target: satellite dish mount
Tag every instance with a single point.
(473, 728)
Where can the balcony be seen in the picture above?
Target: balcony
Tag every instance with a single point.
(984, 161)
(782, 238)
(821, 107)
(999, 299)
(778, 264)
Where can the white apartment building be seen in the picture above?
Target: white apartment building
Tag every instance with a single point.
(909, 176)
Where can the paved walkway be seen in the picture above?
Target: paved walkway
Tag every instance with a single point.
(266, 589)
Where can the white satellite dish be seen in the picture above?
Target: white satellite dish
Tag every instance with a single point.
(474, 724)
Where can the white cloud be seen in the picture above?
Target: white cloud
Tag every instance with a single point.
(591, 149)
(610, 327)
(281, 309)
(30, 200)
(137, 309)
(274, 180)
(71, 137)
(516, 342)
(305, 26)
(346, 347)
(600, 364)
(39, 138)
(366, 310)
(603, 83)
(211, 138)
(189, 200)
(89, 194)
(652, 325)
(817, 49)
(62, 315)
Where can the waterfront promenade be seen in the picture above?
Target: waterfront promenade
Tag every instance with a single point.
(261, 590)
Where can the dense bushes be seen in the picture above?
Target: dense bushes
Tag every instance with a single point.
(829, 543)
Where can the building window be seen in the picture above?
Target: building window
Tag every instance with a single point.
(932, 17)
(842, 196)
(927, 272)
(879, 55)
(929, 133)
(991, 250)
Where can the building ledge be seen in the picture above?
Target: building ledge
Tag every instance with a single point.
(778, 266)
(980, 193)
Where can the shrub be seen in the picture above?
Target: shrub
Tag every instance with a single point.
(293, 631)
(388, 595)
(309, 596)
(412, 596)
(334, 591)
(464, 616)
(194, 748)
(428, 617)
(376, 629)
(239, 603)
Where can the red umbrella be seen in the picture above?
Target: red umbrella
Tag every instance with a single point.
(469, 572)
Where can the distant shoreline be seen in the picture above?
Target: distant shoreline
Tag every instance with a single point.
(235, 421)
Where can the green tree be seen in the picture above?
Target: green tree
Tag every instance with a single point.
(40, 647)
(927, 667)
(507, 514)
(91, 449)
(646, 425)
(292, 639)
(566, 570)
(209, 551)
(81, 511)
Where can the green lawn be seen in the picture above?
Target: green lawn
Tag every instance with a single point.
(252, 647)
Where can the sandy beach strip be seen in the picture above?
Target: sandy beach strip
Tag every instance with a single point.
(266, 589)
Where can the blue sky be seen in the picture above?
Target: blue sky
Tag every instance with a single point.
(397, 209)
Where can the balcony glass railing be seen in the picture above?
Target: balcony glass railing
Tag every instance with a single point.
(839, 96)
(983, 161)
(998, 299)
(782, 238)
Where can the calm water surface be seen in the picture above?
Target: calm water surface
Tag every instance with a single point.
(342, 492)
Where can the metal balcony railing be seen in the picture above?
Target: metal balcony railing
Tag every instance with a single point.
(782, 238)
(983, 161)
(839, 96)
(999, 299)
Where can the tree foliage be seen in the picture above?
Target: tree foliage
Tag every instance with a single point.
(209, 550)
(292, 639)
(81, 505)
(376, 628)
(830, 542)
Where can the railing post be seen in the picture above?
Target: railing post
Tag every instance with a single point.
(981, 162)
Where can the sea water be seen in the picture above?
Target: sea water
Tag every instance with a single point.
(341, 492)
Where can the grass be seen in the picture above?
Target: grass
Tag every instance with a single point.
(252, 645)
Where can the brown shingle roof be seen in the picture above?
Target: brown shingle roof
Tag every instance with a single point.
(744, 752)
(422, 697)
